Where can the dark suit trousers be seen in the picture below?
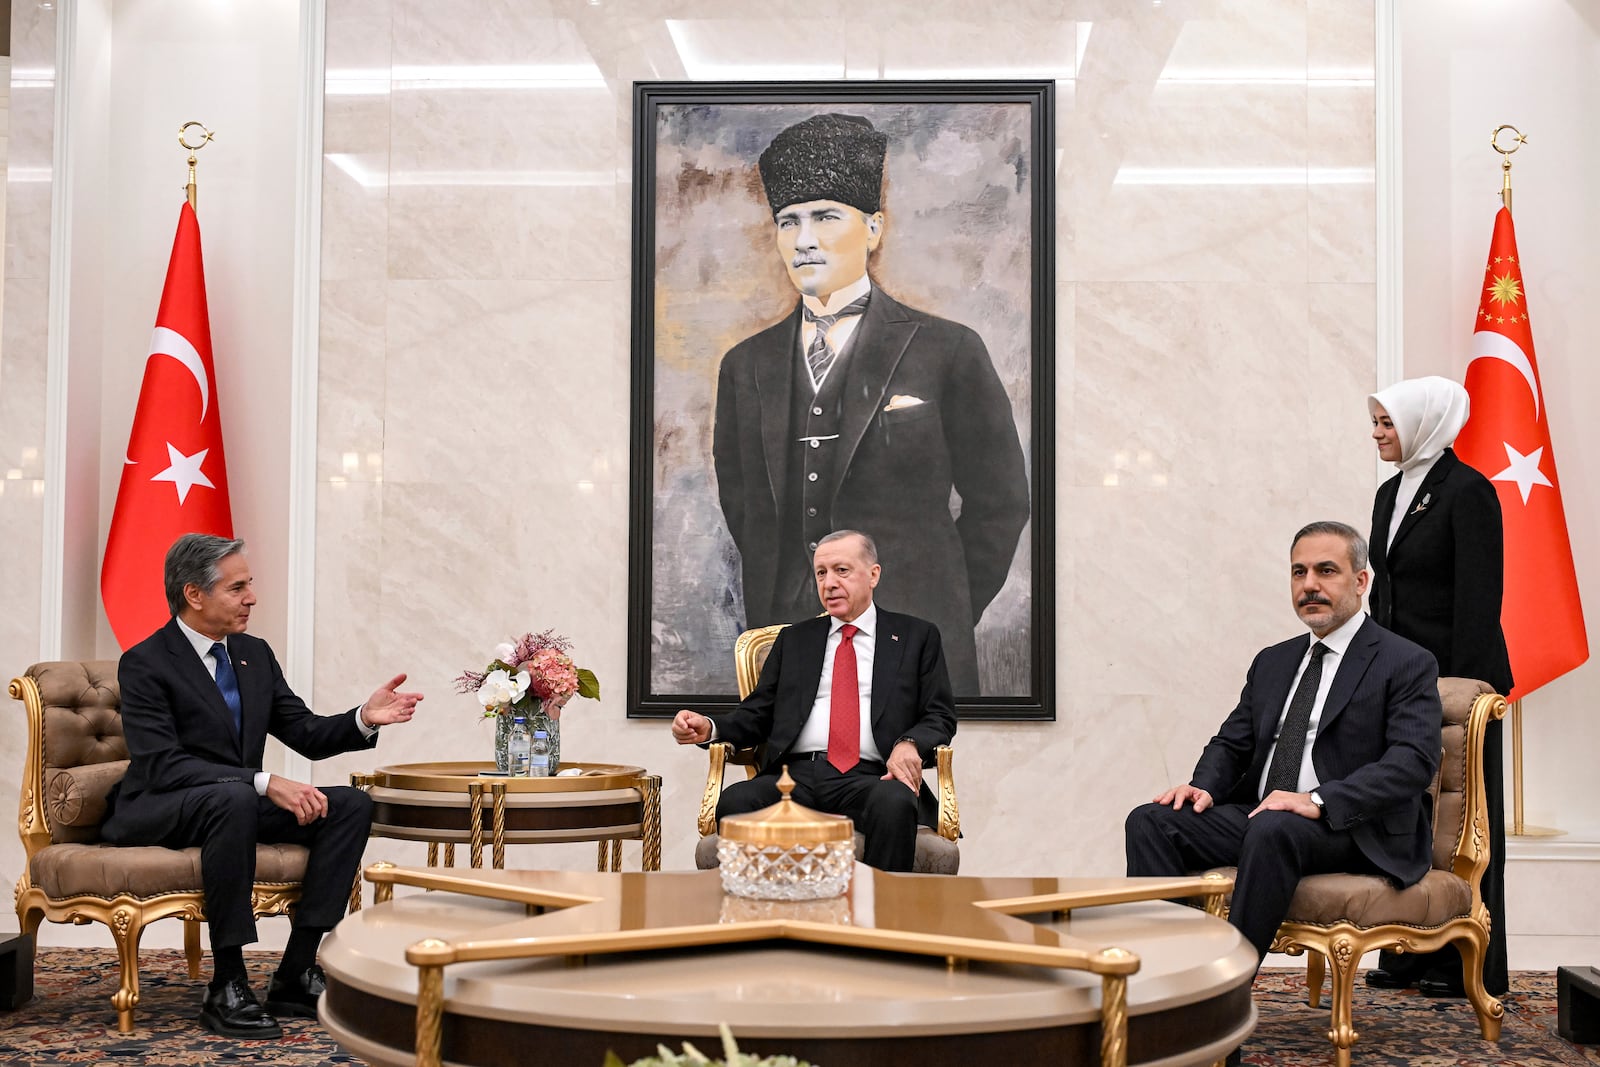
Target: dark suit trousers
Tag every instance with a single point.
(885, 812)
(227, 820)
(1272, 851)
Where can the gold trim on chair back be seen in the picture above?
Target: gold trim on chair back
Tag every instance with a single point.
(750, 654)
(1472, 845)
(33, 826)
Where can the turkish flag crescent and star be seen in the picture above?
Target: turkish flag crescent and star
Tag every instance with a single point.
(174, 477)
(1507, 438)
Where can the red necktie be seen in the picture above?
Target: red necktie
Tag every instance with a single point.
(844, 705)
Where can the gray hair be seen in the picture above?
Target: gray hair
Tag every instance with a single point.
(869, 547)
(195, 559)
(1352, 538)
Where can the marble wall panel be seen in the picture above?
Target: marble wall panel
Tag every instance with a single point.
(1214, 345)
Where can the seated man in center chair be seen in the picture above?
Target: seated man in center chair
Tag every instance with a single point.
(854, 702)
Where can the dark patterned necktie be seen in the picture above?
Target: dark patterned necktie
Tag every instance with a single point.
(228, 682)
(819, 356)
(844, 704)
(1286, 758)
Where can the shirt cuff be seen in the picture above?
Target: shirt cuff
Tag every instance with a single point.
(366, 731)
(261, 780)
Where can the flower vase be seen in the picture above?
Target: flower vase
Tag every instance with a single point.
(502, 741)
(538, 720)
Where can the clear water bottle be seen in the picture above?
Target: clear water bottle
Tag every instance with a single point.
(539, 756)
(518, 748)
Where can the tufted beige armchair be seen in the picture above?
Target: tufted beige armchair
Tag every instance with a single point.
(1336, 918)
(937, 852)
(75, 755)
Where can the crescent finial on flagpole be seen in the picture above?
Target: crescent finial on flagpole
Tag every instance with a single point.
(183, 139)
(1518, 139)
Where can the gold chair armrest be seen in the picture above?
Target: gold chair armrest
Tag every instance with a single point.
(718, 753)
(949, 813)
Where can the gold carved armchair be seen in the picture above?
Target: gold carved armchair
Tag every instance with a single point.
(937, 851)
(1336, 918)
(75, 754)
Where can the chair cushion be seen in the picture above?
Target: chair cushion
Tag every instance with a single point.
(76, 796)
(62, 871)
(1372, 900)
(935, 855)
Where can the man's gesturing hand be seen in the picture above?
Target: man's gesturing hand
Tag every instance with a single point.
(691, 728)
(304, 802)
(385, 705)
(1178, 795)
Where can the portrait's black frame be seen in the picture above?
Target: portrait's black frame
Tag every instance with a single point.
(1039, 95)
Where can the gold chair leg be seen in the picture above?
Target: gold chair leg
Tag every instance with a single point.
(1343, 956)
(1490, 1011)
(191, 947)
(127, 925)
(1316, 968)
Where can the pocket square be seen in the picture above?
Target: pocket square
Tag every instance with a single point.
(903, 400)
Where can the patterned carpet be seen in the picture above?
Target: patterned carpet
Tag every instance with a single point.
(70, 1021)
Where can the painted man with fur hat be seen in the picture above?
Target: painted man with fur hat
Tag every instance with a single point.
(858, 412)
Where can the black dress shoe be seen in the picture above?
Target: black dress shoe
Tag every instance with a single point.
(297, 997)
(233, 1011)
(1441, 986)
(1378, 978)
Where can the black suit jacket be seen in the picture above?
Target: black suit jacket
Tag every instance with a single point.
(1440, 583)
(895, 472)
(180, 732)
(1376, 750)
(910, 691)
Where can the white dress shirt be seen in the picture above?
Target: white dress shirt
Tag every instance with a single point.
(202, 647)
(1338, 644)
(814, 734)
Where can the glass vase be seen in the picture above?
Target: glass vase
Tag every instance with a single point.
(534, 712)
(502, 741)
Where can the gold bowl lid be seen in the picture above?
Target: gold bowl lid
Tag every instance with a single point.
(787, 823)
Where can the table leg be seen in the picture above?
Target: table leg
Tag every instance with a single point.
(475, 791)
(433, 853)
(499, 791)
(651, 830)
(449, 853)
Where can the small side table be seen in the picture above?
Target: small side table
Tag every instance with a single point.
(16, 970)
(460, 803)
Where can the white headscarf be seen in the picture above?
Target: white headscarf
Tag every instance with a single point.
(1427, 414)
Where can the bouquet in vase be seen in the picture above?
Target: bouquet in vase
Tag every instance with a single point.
(533, 676)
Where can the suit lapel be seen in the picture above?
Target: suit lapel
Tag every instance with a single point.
(875, 351)
(1427, 494)
(192, 671)
(1352, 668)
(1383, 514)
(774, 373)
(812, 644)
(888, 646)
(253, 697)
(1278, 686)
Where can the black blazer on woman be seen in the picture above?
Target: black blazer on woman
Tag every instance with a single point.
(1440, 583)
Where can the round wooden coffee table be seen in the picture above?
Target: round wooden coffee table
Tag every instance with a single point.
(454, 804)
(562, 966)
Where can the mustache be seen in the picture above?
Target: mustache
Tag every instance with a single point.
(1314, 598)
(806, 260)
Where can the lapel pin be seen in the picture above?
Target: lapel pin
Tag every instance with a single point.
(1422, 505)
(894, 637)
(244, 663)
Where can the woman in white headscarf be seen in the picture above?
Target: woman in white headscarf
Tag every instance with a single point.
(1438, 571)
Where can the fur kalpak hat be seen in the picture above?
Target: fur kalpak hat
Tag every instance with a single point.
(826, 157)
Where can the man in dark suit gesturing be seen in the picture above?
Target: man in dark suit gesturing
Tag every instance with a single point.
(1324, 766)
(854, 702)
(199, 697)
(858, 411)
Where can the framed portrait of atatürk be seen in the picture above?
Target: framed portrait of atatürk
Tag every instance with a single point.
(843, 318)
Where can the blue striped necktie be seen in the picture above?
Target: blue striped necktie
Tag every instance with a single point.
(228, 682)
(819, 354)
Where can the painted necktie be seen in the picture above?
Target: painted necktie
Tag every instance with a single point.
(820, 355)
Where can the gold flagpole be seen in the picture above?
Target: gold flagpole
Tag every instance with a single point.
(183, 138)
(1518, 827)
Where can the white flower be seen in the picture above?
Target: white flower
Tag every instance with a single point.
(501, 687)
(504, 651)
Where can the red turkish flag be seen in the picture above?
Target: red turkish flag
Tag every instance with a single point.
(1508, 439)
(174, 477)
